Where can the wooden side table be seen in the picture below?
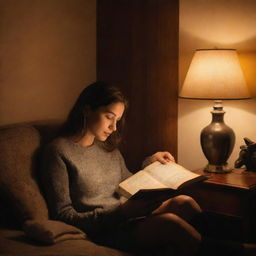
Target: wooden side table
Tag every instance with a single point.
(231, 201)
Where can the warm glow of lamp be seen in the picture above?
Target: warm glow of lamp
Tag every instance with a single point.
(216, 74)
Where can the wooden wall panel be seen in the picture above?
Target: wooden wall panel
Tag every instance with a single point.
(137, 50)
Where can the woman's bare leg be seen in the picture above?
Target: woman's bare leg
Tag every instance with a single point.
(167, 229)
(183, 206)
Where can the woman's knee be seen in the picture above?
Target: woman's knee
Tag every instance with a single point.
(186, 202)
(184, 206)
(183, 199)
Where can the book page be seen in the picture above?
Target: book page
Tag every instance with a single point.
(140, 180)
(172, 175)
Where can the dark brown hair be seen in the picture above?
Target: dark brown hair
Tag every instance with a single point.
(92, 98)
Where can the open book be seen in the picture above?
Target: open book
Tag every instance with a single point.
(158, 181)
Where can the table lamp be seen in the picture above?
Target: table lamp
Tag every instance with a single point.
(215, 74)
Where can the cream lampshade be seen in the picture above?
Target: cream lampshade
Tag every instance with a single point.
(216, 74)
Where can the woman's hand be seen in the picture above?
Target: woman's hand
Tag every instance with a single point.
(139, 207)
(162, 157)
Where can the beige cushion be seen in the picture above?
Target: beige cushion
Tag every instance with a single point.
(51, 232)
(18, 186)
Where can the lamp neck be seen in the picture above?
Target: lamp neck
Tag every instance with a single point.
(217, 105)
(217, 112)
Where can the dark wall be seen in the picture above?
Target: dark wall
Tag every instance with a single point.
(47, 56)
(137, 49)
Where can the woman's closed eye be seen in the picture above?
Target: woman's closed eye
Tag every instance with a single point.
(109, 117)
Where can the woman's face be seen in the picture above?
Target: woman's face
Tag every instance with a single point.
(103, 121)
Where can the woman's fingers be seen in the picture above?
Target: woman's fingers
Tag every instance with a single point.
(162, 157)
(169, 156)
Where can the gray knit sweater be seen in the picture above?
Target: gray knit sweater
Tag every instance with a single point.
(79, 184)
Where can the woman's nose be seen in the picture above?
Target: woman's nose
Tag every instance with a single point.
(113, 126)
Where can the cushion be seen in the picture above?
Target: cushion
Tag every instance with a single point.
(51, 232)
(14, 242)
(18, 185)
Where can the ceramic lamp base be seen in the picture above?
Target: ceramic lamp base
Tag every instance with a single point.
(218, 168)
(217, 141)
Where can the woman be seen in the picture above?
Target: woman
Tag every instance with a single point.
(82, 169)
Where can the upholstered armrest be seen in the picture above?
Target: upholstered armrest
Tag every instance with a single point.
(51, 232)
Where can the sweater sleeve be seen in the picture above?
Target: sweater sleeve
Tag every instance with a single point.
(55, 184)
(146, 162)
(125, 172)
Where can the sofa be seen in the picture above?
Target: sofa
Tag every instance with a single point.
(25, 228)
